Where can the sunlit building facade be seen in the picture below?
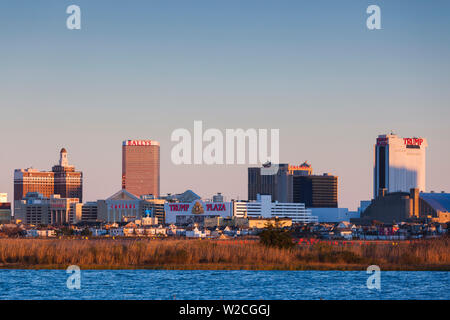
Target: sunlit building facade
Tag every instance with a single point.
(141, 167)
(399, 164)
(63, 180)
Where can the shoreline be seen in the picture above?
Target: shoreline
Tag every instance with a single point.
(319, 267)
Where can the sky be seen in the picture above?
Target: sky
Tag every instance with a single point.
(141, 69)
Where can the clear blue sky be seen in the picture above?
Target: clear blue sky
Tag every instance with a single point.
(140, 69)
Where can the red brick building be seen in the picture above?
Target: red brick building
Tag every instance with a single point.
(140, 167)
(62, 180)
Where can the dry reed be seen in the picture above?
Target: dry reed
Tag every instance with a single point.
(210, 254)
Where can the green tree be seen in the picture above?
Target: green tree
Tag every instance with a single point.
(65, 231)
(276, 237)
(12, 232)
(86, 232)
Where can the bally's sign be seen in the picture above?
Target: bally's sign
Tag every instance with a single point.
(140, 143)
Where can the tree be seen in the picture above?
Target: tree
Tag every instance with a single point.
(86, 232)
(12, 232)
(65, 231)
(276, 237)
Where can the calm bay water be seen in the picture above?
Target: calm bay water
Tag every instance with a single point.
(204, 285)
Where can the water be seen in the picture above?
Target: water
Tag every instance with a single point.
(205, 285)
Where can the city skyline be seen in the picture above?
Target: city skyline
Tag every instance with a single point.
(149, 143)
(314, 71)
(224, 155)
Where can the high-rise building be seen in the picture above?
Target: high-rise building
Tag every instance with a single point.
(399, 164)
(32, 180)
(140, 167)
(295, 184)
(305, 169)
(63, 180)
(68, 182)
(278, 185)
(316, 191)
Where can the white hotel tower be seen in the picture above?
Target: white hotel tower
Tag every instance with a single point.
(399, 164)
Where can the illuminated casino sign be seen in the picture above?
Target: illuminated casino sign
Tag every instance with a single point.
(56, 205)
(123, 206)
(406, 141)
(178, 207)
(197, 208)
(184, 207)
(382, 141)
(300, 167)
(413, 141)
(140, 143)
(216, 207)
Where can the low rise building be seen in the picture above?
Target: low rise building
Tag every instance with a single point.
(147, 221)
(403, 206)
(333, 214)
(44, 233)
(195, 233)
(151, 207)
(435, 206)
(89, 212)
(125, 206)
(95, 232)
(196, 211)
(265, 208)
(5, 209)
(35, 209)
(235, 222)
(64, 210)
(262, 223)
(120, 205)
(116, 232)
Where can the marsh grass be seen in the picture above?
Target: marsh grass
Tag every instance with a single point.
(211, 254)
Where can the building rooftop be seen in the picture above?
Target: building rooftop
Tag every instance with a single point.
(439, 201)
(187, 196)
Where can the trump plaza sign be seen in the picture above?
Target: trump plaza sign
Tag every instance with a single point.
(197, 208)
(210, 207)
